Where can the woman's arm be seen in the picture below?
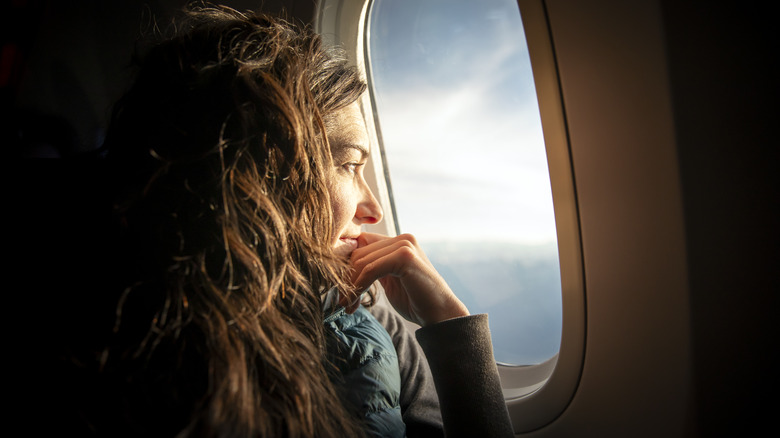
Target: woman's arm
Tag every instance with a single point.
(466, 377)
(457, 346)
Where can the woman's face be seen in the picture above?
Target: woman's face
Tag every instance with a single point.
(351, 199)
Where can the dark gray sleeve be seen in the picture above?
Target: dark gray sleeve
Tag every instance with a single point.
(460, 355)
(419, 402)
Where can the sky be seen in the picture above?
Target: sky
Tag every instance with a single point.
(460, 121)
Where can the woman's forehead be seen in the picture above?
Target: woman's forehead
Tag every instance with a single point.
(347, 130)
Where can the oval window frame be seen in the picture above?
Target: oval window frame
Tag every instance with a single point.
(535, 394)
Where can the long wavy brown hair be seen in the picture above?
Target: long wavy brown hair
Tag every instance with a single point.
(221, 160)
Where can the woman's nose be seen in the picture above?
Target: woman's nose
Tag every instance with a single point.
(368, 210)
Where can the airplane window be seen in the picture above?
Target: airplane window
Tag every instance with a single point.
(462, 137)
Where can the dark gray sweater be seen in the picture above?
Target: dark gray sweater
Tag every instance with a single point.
(448, 388)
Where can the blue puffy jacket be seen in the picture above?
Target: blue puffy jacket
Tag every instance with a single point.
(368, 373)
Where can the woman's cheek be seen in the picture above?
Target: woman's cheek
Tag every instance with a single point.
(339, 199)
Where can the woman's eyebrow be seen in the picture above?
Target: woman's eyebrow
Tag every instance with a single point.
(358, 147)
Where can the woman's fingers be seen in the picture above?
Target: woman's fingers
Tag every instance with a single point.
(410, 281)
(369, 238)
(388, 260)
(372, 246)
(370, 241)
(361, 260)
(351, 301)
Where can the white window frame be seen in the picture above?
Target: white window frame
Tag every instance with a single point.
(535, 394)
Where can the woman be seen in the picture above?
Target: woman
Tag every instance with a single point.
(236, 162)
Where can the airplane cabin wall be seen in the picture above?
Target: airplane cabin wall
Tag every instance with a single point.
(669, 106)
(723, 58)
(635, 378)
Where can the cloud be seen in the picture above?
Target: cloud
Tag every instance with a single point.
(453, 156)
(461, 129)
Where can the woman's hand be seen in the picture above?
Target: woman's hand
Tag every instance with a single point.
(411, 283)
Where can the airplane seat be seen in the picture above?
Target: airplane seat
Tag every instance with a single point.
(61, 261)
(64, 215)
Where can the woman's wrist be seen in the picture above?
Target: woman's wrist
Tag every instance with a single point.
(455, 310)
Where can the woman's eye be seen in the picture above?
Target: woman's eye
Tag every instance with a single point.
(351, 167)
